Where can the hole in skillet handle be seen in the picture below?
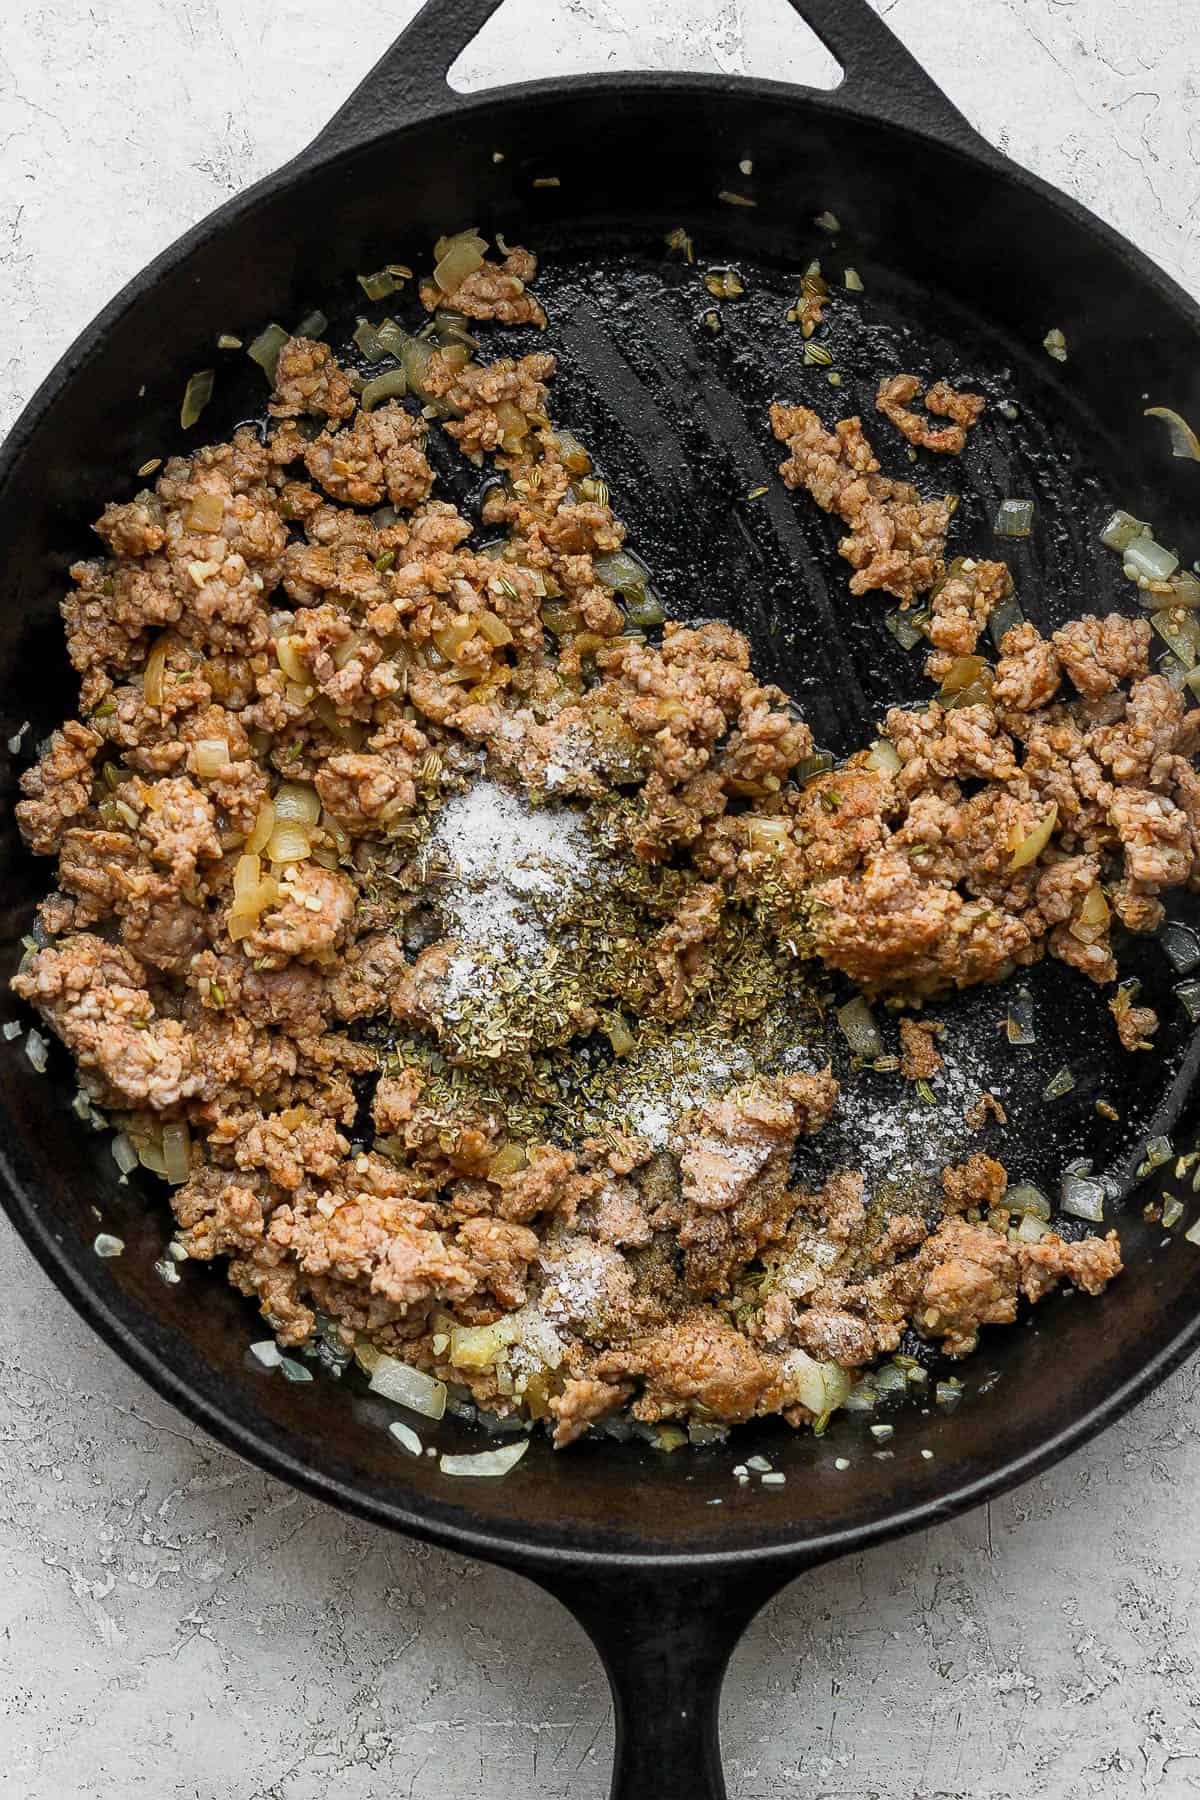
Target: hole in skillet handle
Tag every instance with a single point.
(665, 1638)
(881, 79)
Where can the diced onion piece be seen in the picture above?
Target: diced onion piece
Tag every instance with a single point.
(1159, 1150)
(289, 842)
(1032, 1229)
(478, 1346)
(820, 1386)
(265, 348)
(1055, 344)
(1150, 559)
(152, 674)
(1180, 631)
(1181, 946)
(367, 339)
(410, 1387)
(858, 1023)
(451, 638)
(883, 757)
(463, 256)
(1019, 1023)
(150, 1155)
(1192, 1234)
(643, 609)
(572, 455)
(196, 397)
(1188, 995)
(247, 873)
(312, 324)
(1031, 846)
(1014, 518)
(965, 673)
(292, 1370)
(36, 1049)
(619, 1035)
(212, 757)
(299, 802)
(346, 651)
(1184, 441)
(622, 571)
(124, 1154)
(1172, 1212)
(1184, 591)
(406, 1437)
(1083, 1198)
(493, 628)
(1059, 1085)
(267, 1353)
(1026, 1200)
(510, 1159)
(903, 628)
(1121, 530)
(853, 281)
(1093, 918)
(391, 385)
(177, 1152)
(379, 284)
(264, 825)
(947, 1394)
(289, 661)
(106, 1245)
(767, 834)
(206, 512)
(485, 1462)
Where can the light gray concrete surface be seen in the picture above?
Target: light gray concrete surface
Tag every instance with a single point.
(174, 1624)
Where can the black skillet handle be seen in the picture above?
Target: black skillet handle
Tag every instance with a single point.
(665, 1640)
(882, 80)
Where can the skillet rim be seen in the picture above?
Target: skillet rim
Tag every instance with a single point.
(783, 1549)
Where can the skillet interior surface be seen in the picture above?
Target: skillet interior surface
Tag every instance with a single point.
(964, 281)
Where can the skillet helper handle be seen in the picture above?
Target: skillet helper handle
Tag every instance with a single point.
(882, 79)
(665, 1639)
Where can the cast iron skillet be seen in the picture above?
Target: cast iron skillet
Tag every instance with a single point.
(968, 262)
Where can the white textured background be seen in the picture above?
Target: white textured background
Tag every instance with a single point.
(173, 1624)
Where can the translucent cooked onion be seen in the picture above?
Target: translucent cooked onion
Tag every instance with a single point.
(153, 673)
(379, 284)
(572, 455)
(485, 1462)
(391, 385)
(463, 257)
(406, 1437)
(510, 1159)
(212, 757)
(858, 1023)
(622, 571)
(809, 767)
(1180, 946)
(124, 1154)
(106, 1245)
(345, 652)
(264, 825)
(1083, 1198)
(289, 842)
(312, 324)
(297, 801)
(410, 1387)
(1030, 847)
(366, 339)
(289, 661)
(1019, 1023)
(196, 397)
(265, 348)
(1184, 441)
(820, 1386)
(903, 628)
(206, 512)
(1027, 1201)
(883, 757)
(1014, 518)
(1121, 530)
(176, 1148)
(767, 834)
(478, 1346)
(493, 628)
(1150, 560)
(1180, 631)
